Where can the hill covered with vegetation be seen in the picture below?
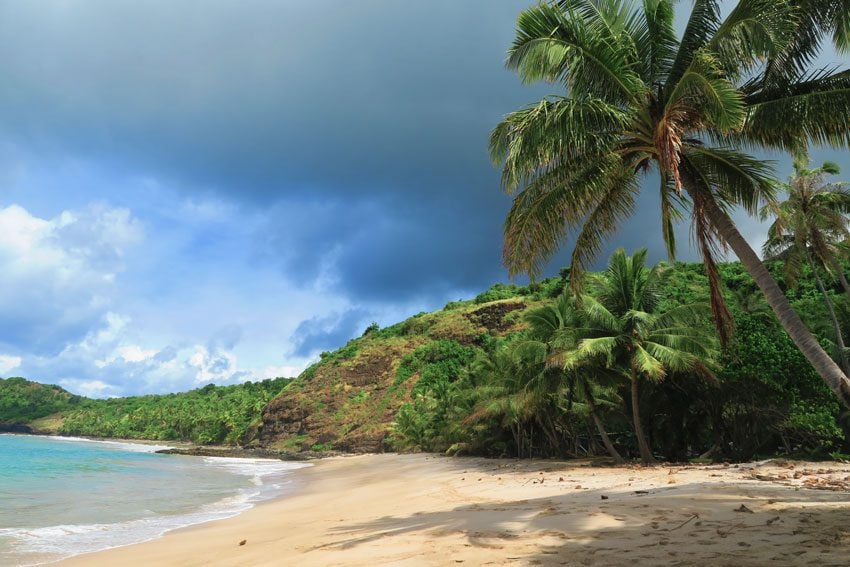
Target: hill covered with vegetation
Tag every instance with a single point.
(445, 381)
(452, 380)
(212, 414)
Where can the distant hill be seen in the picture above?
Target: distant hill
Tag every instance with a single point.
(212, 414)
(22, 401)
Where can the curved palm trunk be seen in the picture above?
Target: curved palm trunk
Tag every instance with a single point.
(602, 433)
(645, 452)
(839, 339)
(788, 318)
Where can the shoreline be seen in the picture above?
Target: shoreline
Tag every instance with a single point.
(424, 509)
(270, 478)
(190, 449)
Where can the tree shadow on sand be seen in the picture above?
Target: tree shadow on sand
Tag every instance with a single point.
(738, 523)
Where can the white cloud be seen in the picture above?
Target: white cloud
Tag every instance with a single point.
(59, 273)
(135, 353)
(285, 371)
(9, 362)
(90, 388)
(85, 305)
(216, 365)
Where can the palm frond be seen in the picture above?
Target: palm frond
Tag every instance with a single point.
(752, 32)
(615, 206)
(538, 139)
(655, 39)
(815, 108)
(703, 22)
(555, 44)
(648, 365)
(739, 179)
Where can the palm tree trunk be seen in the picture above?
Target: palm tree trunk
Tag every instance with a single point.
(645, 452)
(839, 339)
(548, 431)
(788, 318)
(602, 433)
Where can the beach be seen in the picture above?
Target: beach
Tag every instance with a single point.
(432, 510)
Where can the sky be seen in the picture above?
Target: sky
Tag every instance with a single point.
(217, 191)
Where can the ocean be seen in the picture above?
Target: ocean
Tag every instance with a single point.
(62, 496)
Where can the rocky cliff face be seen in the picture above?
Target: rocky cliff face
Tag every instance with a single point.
(342, 404)
(349, 399)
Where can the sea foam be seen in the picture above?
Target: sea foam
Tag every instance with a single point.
(266, 478)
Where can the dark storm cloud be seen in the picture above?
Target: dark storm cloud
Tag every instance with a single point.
(389, 249)
(354, 103)
(264, 97)
(360, 127)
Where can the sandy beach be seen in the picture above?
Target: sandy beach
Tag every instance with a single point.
(431, 510)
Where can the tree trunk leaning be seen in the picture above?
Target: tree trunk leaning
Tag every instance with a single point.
(602, 433)
(788, 318)
(839, 339)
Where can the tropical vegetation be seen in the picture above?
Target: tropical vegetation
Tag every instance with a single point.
(500, 374)
(640, 98)
(810, 227)
(212, 414)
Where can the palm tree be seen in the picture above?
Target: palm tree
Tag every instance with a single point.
(555, 330)
(626, 327)
(638, 97)
(810, 227)
(506, 390)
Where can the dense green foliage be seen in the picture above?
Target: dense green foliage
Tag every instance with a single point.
(763, 397)
(212, 414)
(635, 94)
(22, 400)
(451, 383)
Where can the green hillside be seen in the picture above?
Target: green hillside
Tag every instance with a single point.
(442, 381)
(424, 384)
(212, 414)
(22, 401)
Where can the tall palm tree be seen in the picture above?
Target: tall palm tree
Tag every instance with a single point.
(638, 97)
(625, 326)
(810, 228)
(555, 330)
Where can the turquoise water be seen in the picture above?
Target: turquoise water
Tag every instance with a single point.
(62, 496)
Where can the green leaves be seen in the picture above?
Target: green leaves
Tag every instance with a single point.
(538, 139)
(811, 219)
(815, 108)
(706, 97)
(542, 213)
(753, 31)
(637, 97)
(739, 179)
(655, 39)
(577, 45)
(704, 20)
(621, 324)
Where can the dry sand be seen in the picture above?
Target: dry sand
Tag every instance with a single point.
(427, 510)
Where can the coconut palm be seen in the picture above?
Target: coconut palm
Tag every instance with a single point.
(519, 396)
(626, 327)
(639, 97)
(555, 330)
(810, 228)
